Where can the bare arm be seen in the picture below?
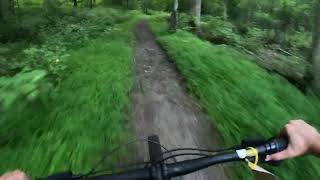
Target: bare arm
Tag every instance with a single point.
(303, 139)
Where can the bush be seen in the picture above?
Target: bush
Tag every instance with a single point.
(52, 35)
(300, 42)
(112, 16)
(257, 38)
(212, 7)
(265, 20)
(24, 86)
(158, 24)
(49, 57)
(52, 7)
(222, 31)
(219, 31)
(184, 21)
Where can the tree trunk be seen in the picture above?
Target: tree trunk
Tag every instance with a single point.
(225, 10)
(89, 3)
(6, 9)
(174, 16)
(75, 3)
(316, 52)
(271, 8)
(12, 6)
(49, 5)
(196, 12)
(145, 6)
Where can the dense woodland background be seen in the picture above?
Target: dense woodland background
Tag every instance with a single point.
(251, 64)
(282, 34)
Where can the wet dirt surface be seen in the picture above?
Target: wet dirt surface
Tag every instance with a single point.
(162, 106)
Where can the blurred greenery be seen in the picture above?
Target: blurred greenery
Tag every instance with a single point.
(65, 108)
(22, 84)
(242, 99)
(66, 74)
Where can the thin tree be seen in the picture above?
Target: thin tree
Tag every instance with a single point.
(174, 16)
(75, 3)
(145, 6)
(196, 13)
(6, 9)
(225, 9)
(18, 5)
(316, 51)
(91, 4)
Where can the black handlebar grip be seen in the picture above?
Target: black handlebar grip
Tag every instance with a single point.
(273, 146)
(280, 144)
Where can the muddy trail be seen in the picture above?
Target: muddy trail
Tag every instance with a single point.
(163, 107)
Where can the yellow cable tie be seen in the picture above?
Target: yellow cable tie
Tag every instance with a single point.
(253, 152)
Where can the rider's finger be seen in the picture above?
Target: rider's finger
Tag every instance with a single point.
(279, 156)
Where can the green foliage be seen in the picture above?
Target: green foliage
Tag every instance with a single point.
(25, 86)
(61, 133)
(221, 31)
(184, 21)
(265, 20)
(30, 3)
(242, 99)
(160, 5)
(128, 4)
(159, 25)
(300, 42)
(114, 16)
(294, 68)
(212, 7)
(78, 61)
(53, 35)
(52, 6)
(24, 25)
(255, 38)
(288, 23)
(247, 8)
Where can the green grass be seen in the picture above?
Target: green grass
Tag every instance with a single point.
(242, 99)
(84, 117)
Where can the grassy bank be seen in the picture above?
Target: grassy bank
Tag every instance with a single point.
(242, 99)
(83, 117)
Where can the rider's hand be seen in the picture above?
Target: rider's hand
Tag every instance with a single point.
(303, 139)
(15, 175)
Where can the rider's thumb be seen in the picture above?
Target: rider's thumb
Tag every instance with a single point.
(278, 156)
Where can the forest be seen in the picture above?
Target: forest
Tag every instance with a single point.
(73, 73)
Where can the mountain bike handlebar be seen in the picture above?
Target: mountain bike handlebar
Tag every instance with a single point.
(163, 171)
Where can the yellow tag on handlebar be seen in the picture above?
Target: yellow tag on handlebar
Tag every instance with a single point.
(253, 152)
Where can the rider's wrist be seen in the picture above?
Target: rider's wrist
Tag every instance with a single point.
(315, 146)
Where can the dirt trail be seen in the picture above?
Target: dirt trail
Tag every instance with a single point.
(162, 106)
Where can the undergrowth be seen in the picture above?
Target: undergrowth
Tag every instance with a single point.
(242, 99)
(35, 40)
(82, 116)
